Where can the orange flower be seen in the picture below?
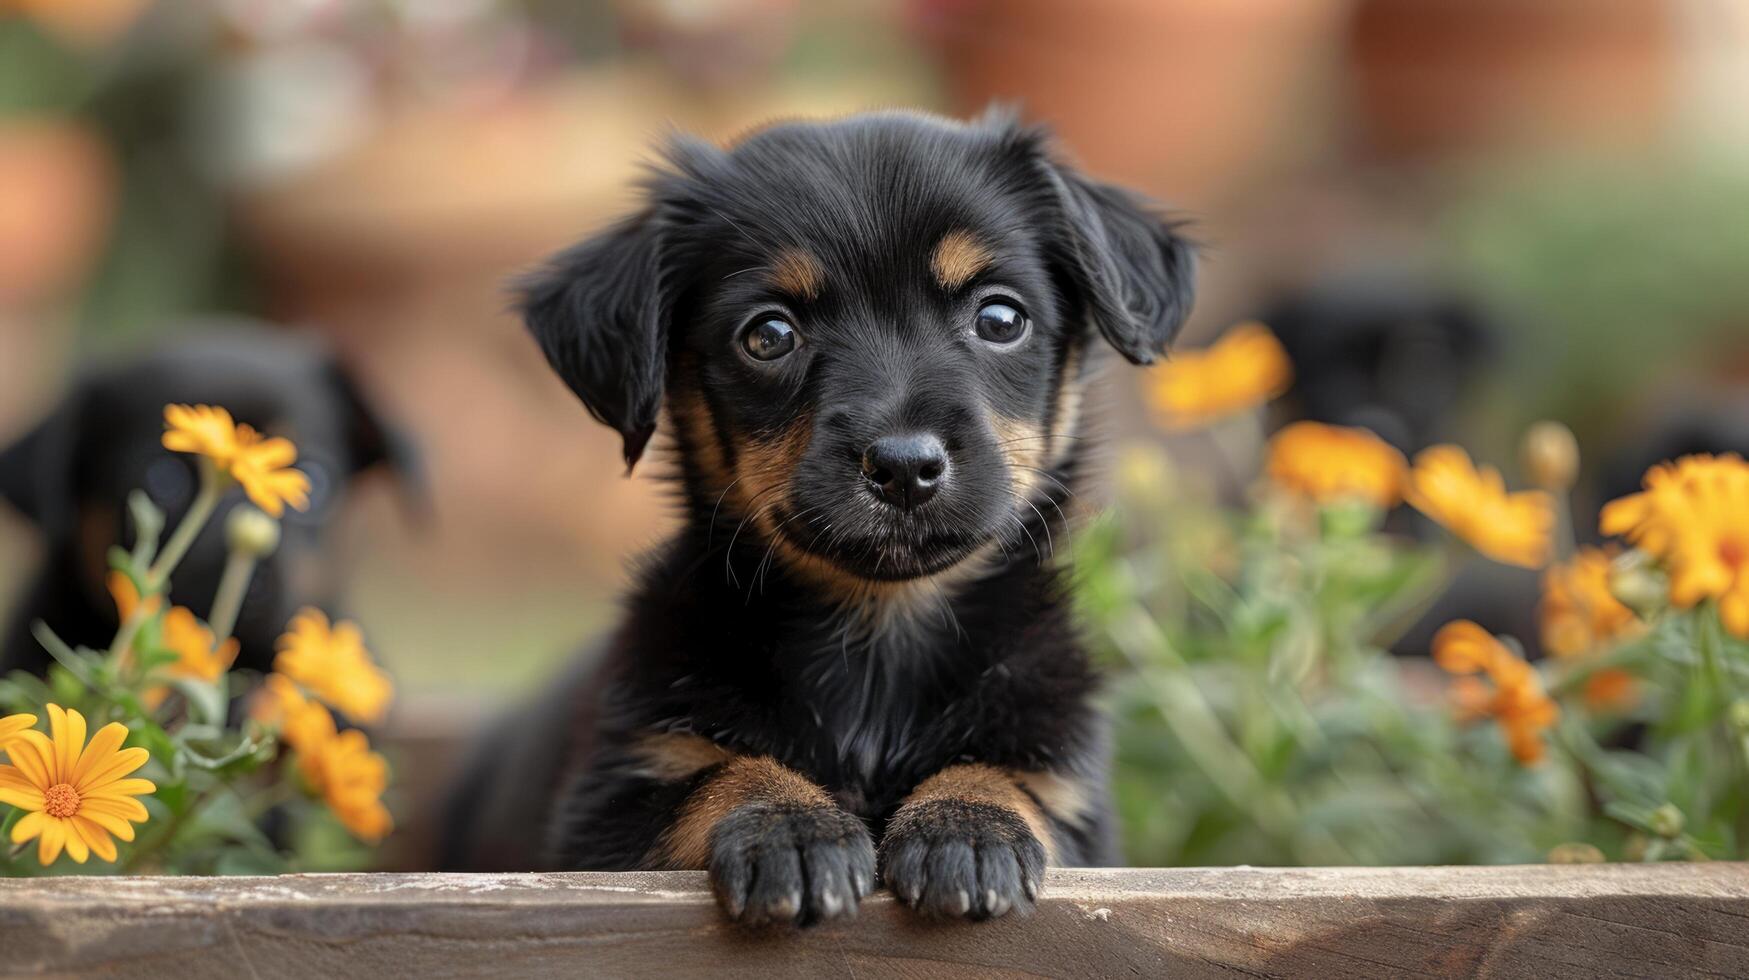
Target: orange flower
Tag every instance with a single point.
(1472, 503)
(1513, 696)
(1330, 463)
(338, 766)
(282, 706)
(126, 596)
(1580, 613)
(1611, 689)
(198, 655)
(1243, 369)
(334, 665)
(261, 465)
(74, 794)
(1693, 515)
(351, 779)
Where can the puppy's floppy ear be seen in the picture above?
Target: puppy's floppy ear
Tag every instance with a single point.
(600, 313)
(37, 471)
(1135, 272)
(373, 440)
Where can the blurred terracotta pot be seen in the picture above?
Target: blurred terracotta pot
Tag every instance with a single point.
(1183, 99)
(1444, 76)
(56, 192)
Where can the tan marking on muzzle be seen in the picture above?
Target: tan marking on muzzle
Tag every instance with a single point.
(1022, 443)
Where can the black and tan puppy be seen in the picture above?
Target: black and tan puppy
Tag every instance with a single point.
(871, 337)
(71, 475)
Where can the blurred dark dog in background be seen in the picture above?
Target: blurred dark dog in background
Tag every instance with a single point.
(1383, 350)
(72, 473)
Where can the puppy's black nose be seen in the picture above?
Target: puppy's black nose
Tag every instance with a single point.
(907, 469)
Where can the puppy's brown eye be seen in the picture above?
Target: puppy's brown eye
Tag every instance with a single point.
(770, 339)
(1001, 324)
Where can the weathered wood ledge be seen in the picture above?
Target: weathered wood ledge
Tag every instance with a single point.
(1616, 920)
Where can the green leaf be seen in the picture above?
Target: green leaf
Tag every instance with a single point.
(206, 702)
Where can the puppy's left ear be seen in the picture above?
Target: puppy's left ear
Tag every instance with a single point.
(37, 471)
(600, 314)
(1135, 272)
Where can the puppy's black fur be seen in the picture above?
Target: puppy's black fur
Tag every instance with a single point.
(71, 475)
(847, 642)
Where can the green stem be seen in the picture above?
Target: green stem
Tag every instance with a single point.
(165, 834)
(212, 487)
(228, 601)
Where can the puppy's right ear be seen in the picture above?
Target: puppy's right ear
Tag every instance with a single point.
(36, 471)
(600, 313)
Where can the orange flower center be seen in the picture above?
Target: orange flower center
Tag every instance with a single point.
(1733, 552)
(61, 800)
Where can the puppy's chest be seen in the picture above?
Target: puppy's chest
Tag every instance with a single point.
(870, 746)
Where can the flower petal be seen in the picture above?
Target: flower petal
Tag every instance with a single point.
(108, 821)
(52, 839)
(68, 729)
(77, 849)
(28, 826)
(117, 766)
(119, 807)
(94, 837)
(103, 745)
(124, 787)
(30, 751)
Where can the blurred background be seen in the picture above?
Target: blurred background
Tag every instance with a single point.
(1459, 215)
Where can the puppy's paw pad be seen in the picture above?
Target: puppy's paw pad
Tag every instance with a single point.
(957, 859)
(777, 865)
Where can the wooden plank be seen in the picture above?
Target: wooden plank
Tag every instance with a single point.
(1598, 920)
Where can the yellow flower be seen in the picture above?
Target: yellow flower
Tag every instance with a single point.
(1328, 463)
(351, 779)
(1579, 610)
(1513, 696)
(333, 664)
(338, 766)
(1245, 368)
(1693, 515)
(201, 429)
(261, 465)
(1473, 503)
(75, 794)
(11, 725)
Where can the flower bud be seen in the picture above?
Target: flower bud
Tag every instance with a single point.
(250, 532)
(1144, 473)
(1634, 582)
(1738, 715)
(1575, 852)
(1667, 821)
(1551, 456)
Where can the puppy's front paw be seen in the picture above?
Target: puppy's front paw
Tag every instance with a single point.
(962, 859)
(779, 863)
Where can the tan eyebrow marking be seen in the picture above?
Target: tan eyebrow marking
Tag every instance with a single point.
(958, 258)
(797, 272)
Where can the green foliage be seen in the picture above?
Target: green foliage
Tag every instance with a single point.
(217, 775)
(1260, 720)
